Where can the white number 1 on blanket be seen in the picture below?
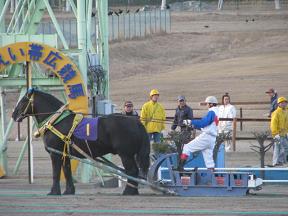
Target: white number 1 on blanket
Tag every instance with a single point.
(88, 130)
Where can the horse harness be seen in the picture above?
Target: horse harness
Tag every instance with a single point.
(66, 138)
(30, 102)
(48, 123)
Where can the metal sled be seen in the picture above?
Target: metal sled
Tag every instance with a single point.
(200, 182)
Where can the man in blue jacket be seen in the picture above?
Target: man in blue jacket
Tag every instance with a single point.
(273, 98)
(182, 112)
(205, 142)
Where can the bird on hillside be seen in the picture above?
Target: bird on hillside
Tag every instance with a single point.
(137, 10)
(110, 13)
(120, 11)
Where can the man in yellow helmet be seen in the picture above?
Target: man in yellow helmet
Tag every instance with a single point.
(153, 116)
(279, 130)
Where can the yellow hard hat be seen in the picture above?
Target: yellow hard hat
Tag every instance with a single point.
(281, 99)
(154, 92)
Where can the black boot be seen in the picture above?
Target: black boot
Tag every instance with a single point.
(211, 169)
(181, 165)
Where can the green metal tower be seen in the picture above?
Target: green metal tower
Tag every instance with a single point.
(23, 25)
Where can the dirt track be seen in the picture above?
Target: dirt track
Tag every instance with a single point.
(19, 198)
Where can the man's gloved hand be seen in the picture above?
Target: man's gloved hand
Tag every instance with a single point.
(277, 137)
(187, 122)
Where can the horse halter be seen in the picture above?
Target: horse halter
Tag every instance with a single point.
(30, 102)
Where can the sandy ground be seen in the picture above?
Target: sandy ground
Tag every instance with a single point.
(205, 54)
(18, 197)
(31, 200)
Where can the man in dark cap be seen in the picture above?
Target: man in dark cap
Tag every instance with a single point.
(182, 112)
(273, 97)
(128, 109)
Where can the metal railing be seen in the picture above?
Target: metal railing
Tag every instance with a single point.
(239, 133)
(139, 24)
(124, 26)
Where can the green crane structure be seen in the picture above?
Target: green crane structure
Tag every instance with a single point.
(23, 25)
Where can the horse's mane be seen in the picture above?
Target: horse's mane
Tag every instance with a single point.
(50, 98)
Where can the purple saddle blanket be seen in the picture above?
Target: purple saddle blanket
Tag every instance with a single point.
(87, 129)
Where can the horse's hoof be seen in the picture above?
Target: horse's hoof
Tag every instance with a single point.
(54, 193)
(130, 191)
(69, 192)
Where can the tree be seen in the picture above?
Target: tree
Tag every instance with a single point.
(261, 137)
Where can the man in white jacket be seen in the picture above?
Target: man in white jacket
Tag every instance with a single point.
(205, 142)
(226, 110)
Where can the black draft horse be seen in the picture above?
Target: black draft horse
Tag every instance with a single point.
(117, 134)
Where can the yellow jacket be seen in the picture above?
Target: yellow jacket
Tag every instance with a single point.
(153, 117)
(279, 122)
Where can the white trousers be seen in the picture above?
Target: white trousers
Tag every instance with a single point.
(280, 151)
(204, 143)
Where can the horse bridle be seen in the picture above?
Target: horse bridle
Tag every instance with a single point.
(30, 102)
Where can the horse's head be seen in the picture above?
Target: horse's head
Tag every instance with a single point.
(24, 107)
(36, 103)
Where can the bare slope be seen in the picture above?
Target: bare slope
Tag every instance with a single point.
(243, 58)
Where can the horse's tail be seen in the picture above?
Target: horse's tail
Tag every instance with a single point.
(143, 155)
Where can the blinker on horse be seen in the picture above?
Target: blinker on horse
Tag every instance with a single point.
(116, 134)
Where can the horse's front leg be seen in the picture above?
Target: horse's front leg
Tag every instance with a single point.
(70, 189)
(56, 170)
(131, 168)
